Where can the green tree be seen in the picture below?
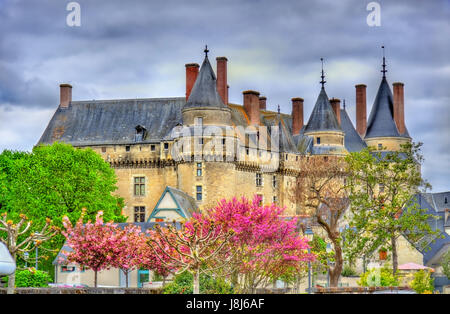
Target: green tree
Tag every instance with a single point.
(54, 181)
(32, 278)
(445, 263)
(422, 282)
(379, 277)
(382, 189)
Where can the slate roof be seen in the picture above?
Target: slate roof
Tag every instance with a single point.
(381, 120)
(322, 117)
(432, 246)
(114, 121)
(353, 142)
(186, 202)
(204, 92)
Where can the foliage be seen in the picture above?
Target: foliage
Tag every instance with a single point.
(19, 239)
(97, 245)
(197, 246)
(348, 271)
(445, 263)
(182, 284)
(54, 181)
(382, 190)
(268, 246)
(319, 193)
(379, 277)
(32, 278)
(422, 282)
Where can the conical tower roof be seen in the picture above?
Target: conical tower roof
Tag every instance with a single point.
(353, 142)
(381, 120)
(322, 117)
(204, 92)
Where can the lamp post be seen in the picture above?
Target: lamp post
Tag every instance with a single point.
(309, 234)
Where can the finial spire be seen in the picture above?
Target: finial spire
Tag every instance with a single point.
(278, 109)
(344, 103)
(323, 76)
(206, 51)
(384, 64)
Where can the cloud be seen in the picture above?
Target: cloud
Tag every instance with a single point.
(138, 48)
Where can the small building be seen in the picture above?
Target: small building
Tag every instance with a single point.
(173, 205)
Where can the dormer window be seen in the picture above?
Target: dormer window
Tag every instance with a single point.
(445, 200)
(140, 133)
(318, 140)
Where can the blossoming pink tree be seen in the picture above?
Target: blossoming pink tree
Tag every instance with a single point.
(128, 253)
(94, 245)
(268, 244)
(197, 246)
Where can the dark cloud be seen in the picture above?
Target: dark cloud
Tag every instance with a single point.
(137, 48)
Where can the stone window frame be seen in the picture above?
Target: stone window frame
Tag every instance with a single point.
(199, 192)
(199, 169)
(259, 179)
(139, 213)
(142, 185)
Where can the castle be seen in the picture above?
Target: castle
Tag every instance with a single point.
(138, 138)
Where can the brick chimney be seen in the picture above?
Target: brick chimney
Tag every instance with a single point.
(65, 95)
(297, 115)
(262, 102)
(336, 104)
(251, 106)
(222, 86)
(191, 76)
(361, 109)
(399, 106)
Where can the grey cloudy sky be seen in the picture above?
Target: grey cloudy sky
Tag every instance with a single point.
(127, 49)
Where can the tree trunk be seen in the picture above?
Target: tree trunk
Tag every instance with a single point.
(12, 279)
(126, 278)
(335, 272)
(95, 278)
(164, 281)
(11, 283)
(197, 281)
(394, 255)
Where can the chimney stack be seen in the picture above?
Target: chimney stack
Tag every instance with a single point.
(399, 107)
(361, 109)
(336, 104)
(297, 115)
(65, 95)
(262, 102)
(222, 86)
(251, 106)
(191, 76)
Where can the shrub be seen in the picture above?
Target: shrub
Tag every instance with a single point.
(183, 283)
(422, 282)
(32, 278)
(379, 277)
(348, 271)
(446, 264)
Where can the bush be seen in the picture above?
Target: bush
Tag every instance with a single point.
(348, 271)
(32, 278)
(446, 264)
(183, 284)
(379, 277)
(422, 282)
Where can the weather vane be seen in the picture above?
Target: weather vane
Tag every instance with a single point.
(206, 51)
(323, 76)
(384, 63)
